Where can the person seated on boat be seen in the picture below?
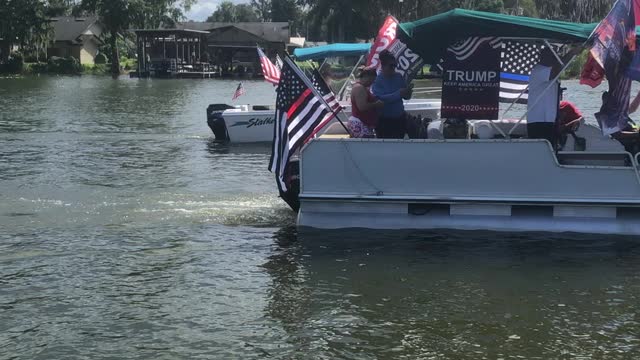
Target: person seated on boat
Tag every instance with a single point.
(542, 106)
(629, 137)
(364, 106)
(391, 88)
(569, 120)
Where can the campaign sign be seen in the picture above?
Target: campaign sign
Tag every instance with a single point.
(408, 62)
(614, 34)
(386, 35)
(471, 80)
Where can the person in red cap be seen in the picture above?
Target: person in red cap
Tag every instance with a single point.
(568, 122)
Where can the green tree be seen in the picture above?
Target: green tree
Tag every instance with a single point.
(229, 12)
(157, 13)
(118, 16)
(245, 13)
(332, 19)
(489, 5)
(285, 11)
(521, 7)
(574, 10)
(225, 12)
(59, 8)
(263, 9)
(21, 21)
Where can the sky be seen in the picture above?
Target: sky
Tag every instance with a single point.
(204, 8)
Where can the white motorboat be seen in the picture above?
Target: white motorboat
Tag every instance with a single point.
(251, 124)
(482, 180)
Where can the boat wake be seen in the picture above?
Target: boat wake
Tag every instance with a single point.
(242, 210)
(257, 211)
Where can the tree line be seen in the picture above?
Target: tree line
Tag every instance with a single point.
(347, 20)
(26, 23)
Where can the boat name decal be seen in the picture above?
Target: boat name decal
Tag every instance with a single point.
(259, 122)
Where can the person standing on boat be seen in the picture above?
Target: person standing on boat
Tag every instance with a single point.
(543, 103)
(364, 106)
(391, 89)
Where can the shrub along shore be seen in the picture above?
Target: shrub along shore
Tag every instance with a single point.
(71, 66)
(62, 66)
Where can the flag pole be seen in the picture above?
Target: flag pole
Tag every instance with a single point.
(308, 83)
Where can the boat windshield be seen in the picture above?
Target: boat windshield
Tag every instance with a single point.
(338, 73)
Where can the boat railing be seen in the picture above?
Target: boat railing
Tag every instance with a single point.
(427, 90)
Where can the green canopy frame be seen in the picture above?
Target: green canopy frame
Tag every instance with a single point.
(430, 37)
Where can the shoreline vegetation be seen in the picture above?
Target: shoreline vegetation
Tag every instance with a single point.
(70, 67)
(62, 66)
(28, 22)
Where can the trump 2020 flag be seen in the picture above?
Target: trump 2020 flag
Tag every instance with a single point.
(614, 39)
(300, 110)
(471, 79)
(614, 50)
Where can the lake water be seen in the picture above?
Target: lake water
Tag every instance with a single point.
(127, 233)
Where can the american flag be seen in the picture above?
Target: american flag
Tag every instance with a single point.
(271, 72)
(299, 111)
(518, 58)
(239, 91)
(279, 61)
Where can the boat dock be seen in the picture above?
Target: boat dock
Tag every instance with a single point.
(197, 50)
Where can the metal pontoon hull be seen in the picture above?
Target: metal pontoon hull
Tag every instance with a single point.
(495, 185)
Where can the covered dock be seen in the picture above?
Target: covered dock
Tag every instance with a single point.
(177, 53)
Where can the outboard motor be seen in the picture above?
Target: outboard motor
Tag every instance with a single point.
(216, 122)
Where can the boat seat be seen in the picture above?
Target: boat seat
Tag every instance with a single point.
(434, 130)
(483, 129)
(595, 159)
(335, 136)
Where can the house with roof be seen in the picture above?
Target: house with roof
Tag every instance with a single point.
(269, 35)
(77, 37)
(233, 45)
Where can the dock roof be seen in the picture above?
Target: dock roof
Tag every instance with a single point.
(269, 31)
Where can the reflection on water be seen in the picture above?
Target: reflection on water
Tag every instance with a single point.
(127, 232)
